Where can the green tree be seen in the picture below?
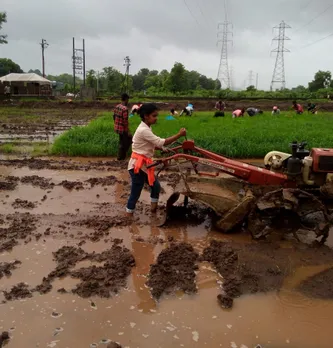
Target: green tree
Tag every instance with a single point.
(65, 79)
(322, 79)
(139, 79)
(3, 19)
(7, 66)
(113, 79)
(218, 85)
(177, 78)
(251, 89)
(91, 80)
(36, 71)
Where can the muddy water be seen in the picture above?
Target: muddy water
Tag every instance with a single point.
(133, 318)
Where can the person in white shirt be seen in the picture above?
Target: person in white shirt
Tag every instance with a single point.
(145, 142)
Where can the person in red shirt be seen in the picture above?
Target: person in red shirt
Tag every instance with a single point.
(298, 108)
(120, 118)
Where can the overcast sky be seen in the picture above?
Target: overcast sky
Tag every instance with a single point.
(157, 33)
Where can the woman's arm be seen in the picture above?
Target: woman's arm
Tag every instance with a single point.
(170, 140)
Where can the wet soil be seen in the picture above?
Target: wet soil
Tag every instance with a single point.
(318, 286)
(17, 292)
(21, 227)
(9, 184)
(4, 337)
(23, 204)
(106, 280)
(70, 185)
(77, 244)
(113, 345)
(260, 267)
(102, 281)
(38, 181)
(38, 164)
(101, 225)
(174, 270)
(6, 268)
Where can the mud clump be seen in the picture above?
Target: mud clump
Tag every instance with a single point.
(107, 181)
(6, 268)
(318, 286)
(108, 279)
(70, 185)
(113, 345)
(244, 273)
(7, 185)
(19, 291)
(174, 270)
(23, 204)
(225, 301)
(21, 226)
(8, 245)
(4, 337)
(100, 281)
(101, 225)
(38, 181)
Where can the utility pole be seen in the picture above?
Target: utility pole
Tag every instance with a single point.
(257, 80)
(279, 76)
(44, 45)
(74, 64)
(79, 62)
(223, 72)
(127, 64)
(84, 62)
(251, 78)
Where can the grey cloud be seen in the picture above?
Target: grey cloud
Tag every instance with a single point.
(156, 33)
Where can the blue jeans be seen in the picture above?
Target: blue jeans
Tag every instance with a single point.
(138, 181)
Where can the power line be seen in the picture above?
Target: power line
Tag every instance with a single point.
(313, 43)
(313, 19)
(189, 10)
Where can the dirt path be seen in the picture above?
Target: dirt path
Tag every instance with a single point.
(72, 265)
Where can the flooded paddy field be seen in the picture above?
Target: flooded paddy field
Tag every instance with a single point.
(31, 131)
(76, 272)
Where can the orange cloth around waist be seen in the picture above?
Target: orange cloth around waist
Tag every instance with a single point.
(143, 160)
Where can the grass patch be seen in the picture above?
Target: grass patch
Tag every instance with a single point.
(239, 138)
(7, 148)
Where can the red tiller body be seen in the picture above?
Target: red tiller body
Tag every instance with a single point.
(247, 172)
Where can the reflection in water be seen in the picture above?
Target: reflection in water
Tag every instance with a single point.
(144, 257)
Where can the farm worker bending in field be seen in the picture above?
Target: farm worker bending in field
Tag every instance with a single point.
(276, 110)
(145, 142)
(312, 108)
(188, 110)
(238, 113)
(219, 107)
(253, 111)
(173, 112)
(135, 108)
(298, 108)
(120, 117)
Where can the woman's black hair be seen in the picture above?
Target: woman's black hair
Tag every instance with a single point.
(147, 109)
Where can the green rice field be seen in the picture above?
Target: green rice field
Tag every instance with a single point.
(238, 138)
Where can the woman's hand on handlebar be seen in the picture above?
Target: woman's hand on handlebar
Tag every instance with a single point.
(182, 132)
